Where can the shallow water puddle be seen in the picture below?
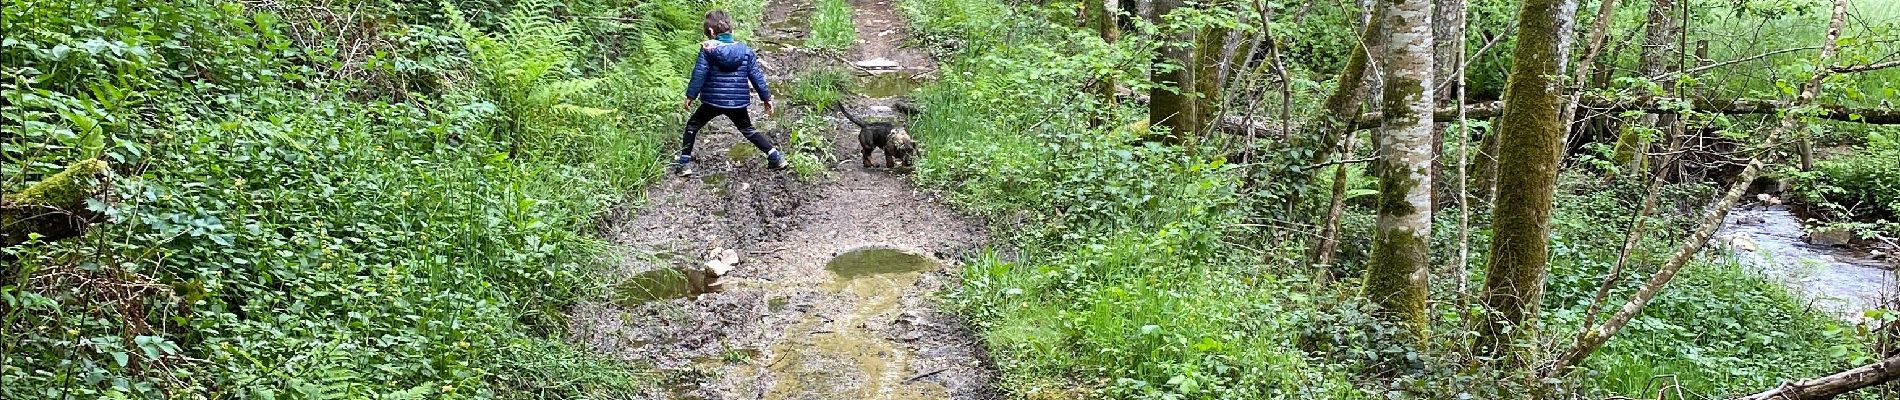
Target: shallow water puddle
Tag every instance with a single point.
(772, 45)
(887, 85)
(876, 261)
(797, 21)
(661, 284)
(838, 356)
(740, 152)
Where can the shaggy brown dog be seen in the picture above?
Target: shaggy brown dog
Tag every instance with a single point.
(897, 144)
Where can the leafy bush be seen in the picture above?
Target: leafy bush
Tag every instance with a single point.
(1863, 187)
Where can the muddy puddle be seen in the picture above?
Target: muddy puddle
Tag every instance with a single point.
(741, 152)
(876, 261)
(1770, 240)
(888, 85)
(662, 284)
(841, 356)
(796, 21)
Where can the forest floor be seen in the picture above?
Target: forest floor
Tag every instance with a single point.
(794, 320)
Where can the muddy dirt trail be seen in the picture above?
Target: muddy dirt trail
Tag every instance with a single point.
(834, 295)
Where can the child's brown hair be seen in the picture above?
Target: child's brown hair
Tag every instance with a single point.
(717, 22)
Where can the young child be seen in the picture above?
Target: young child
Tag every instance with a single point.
(723, 80)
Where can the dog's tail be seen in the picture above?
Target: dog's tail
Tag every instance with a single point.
(847, 115)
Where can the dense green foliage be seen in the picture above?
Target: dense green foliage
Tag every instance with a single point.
(293, 216)
(1720, 329)
(392, 199)
(1860, 190)
(1127, 283)
(1137, 270)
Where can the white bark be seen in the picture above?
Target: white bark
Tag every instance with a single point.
(1400, 271)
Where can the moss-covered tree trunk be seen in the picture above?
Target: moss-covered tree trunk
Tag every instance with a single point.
(1336, 210)
(1209, 45)
(1102, 17)
(1398, 274)
(54, 208)
(1342, 111)
(1171, 102)
(1484, 171)
(1342, 106)
(1530, 144)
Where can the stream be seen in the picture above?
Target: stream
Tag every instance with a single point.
(1769, 240)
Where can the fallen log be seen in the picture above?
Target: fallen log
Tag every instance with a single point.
(1828, 387)
(55, 208)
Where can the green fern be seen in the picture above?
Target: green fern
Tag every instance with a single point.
(526, 73)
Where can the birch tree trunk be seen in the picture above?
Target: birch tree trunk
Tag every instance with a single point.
(1171, 102)
(1398, 275)
(1659, 39)
(1530, 146)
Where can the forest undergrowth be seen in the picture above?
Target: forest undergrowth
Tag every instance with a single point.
(313, 200)
(1145, 270)
(389, 199)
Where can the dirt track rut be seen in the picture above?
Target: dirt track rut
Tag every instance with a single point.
(781, 325)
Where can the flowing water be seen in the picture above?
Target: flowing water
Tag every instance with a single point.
(1770, 240)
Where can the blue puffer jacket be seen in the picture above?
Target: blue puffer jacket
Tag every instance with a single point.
(722, 74)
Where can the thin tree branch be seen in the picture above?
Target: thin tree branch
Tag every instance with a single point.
(1691, 71)
(1848, 69)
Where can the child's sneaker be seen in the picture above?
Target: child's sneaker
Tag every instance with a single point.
(683, 166)
(775, 160)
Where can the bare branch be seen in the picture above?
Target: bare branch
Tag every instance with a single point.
(1837, 384)
(1848, 69)
(1691, 71)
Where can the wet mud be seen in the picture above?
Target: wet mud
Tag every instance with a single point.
(835, 294)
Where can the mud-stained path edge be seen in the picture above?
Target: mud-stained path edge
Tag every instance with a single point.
(785, 324)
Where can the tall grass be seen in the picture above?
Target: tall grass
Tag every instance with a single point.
(831, 27)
